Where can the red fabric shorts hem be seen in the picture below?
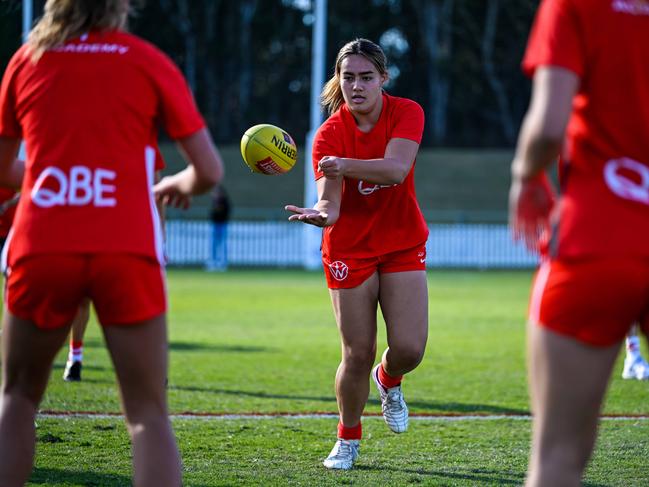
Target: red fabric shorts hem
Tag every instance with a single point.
(47, 289)
(594, 300)
(342, 273)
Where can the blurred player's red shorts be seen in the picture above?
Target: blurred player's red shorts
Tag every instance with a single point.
(350, 273)
(48, 289)
(593, 300)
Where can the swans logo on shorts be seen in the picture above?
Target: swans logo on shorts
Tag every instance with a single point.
(339, 270)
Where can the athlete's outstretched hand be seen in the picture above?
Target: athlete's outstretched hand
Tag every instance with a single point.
(170, 192)
(530, 207)
(307, 215)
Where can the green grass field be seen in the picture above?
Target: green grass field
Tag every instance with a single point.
(246, 342)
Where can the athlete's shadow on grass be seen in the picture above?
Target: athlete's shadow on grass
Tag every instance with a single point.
(49, 476)
(421, 406)
(463, 408)
(488, 477)
(189, 347)
(201, 347)
(177, 346)
(475, 476)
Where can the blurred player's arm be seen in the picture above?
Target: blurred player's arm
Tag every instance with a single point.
(204, 170)
(12, 169)
(531, 196)
(392, 168)
(326, 211)
(543, 130)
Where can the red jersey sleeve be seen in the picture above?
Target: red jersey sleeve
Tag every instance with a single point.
(325, 143)
(178, 112)
(555, 39)
(9, 125)
(408, 121)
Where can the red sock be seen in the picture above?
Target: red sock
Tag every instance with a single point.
(388, 381)
(347, 433)
(76, 351)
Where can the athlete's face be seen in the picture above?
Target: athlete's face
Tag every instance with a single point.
(360, 83)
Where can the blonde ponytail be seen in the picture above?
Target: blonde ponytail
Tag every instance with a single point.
(65, 19)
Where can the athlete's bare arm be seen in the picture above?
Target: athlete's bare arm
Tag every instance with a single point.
(393, 168)
(11, 168)
(543, 129)
(326, 211)
(204, 170)
(531, 196)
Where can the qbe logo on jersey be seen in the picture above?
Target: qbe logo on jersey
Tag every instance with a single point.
(82, 186)
(339, 270)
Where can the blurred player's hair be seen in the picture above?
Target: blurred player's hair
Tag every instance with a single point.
(66, 19)
(331, 97)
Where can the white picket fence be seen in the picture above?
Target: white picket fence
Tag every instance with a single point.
(280, 244)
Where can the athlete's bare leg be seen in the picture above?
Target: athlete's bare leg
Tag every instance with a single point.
(404, 304)
(80, 322)
(568, 380)
(72, 372)
(139, 353)
(27, 357)
(355, 311)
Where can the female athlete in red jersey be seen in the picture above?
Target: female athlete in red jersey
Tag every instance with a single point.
(374, 237)
(590, 104)
(88, 98)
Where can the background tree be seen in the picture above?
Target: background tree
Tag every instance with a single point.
(248, 61)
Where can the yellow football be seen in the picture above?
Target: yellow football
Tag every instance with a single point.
(267, 149)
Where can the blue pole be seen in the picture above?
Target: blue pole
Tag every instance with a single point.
(28, 17)
(313, 235)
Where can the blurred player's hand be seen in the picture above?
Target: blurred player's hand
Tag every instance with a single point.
(531, 203)
(307, 215)
(169, 192)
(332, 167)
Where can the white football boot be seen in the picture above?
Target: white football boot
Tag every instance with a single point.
(395, 411)
(635, 367)
(343, 455)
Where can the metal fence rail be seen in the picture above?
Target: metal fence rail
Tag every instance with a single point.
(280, 244)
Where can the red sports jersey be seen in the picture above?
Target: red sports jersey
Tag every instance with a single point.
(89, 113)
(604, 168)
(374, 219)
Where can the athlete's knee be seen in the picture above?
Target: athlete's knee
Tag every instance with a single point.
(26, 393)
(142, 423)
(359, 358)
(144, 408)
(408, 355)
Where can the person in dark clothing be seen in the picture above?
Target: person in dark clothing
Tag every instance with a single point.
(219, 216)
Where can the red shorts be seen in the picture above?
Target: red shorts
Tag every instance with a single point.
(595, 301)
(48, 289)
(351, 273)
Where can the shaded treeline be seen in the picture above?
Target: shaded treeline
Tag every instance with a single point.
(249, 61)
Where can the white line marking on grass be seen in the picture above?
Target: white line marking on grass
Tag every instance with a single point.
(266, 416)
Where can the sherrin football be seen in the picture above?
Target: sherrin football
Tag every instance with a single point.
(267, 149)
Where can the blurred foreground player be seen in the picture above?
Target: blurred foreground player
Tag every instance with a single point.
(74, 363)
(87, 98)
(590, 105)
